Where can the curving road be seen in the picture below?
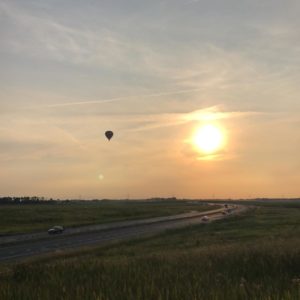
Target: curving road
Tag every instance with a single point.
(24, 246)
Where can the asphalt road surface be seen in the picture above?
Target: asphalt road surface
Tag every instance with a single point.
(19, 248)
(98, 227)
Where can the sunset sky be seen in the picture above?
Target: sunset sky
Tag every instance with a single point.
(153, 72)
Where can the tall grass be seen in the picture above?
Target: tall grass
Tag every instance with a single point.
(269, 271)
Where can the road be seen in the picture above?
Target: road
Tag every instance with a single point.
(98, 227)
(19, 248)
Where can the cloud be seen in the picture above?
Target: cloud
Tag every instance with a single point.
(153, 95)
(43, 37)
(241, 76)
(84, 102)
(31, 33)
(189, 151)
(208, 114)
(38, 139)
(215, 113)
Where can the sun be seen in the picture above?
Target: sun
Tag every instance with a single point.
(208, 139)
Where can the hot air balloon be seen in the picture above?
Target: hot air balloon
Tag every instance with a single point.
(109, 134)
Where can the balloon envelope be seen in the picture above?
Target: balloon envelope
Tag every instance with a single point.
(109, 134)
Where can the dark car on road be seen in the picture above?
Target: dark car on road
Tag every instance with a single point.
(56, 229)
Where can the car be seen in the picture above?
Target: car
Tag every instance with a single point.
(56, 229)
(205, 218)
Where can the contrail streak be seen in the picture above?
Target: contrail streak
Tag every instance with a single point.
(123, 98)
(85, 102)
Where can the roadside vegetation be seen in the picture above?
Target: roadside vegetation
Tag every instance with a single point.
(252, 256)
(23, 218)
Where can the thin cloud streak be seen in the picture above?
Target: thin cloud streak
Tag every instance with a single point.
(201, 115)
(83, 102)
(122, 98)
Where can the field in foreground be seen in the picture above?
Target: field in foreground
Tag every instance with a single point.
(253, 256)
(22, 218)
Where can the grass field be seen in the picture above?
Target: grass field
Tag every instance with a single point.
(39, 217)
(253, 256)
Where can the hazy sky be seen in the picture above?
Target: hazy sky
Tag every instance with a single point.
(153, 72)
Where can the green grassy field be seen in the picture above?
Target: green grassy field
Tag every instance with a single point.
(39, 217)
(253, 256)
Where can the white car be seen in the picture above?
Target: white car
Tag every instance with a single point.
(56, 229)
(205, 218)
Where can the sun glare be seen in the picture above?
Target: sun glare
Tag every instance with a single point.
(208, 138)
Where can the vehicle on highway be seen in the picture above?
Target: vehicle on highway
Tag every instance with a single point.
(205, 218)
(56, 229)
